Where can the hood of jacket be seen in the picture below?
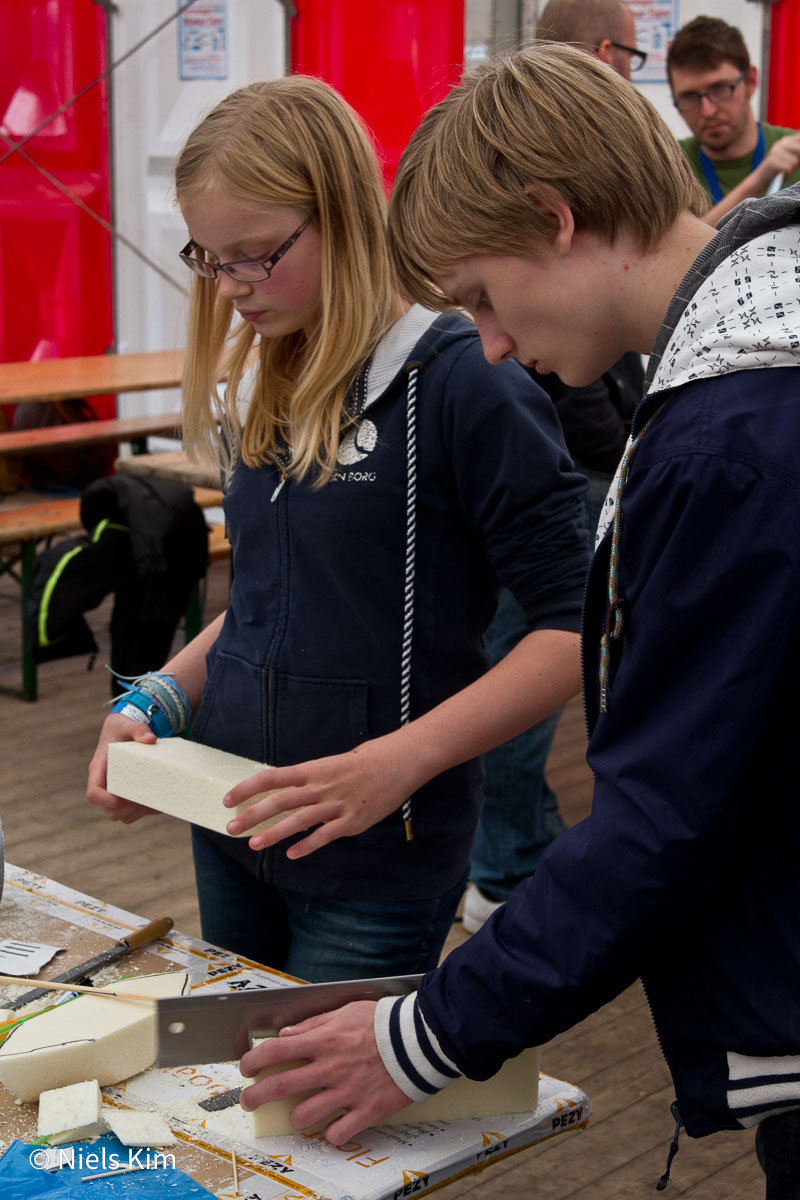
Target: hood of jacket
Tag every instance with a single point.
(728, 313)
(738, 307)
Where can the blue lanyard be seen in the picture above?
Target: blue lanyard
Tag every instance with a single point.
(711, 174)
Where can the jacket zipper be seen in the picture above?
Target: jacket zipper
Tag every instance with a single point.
(283, 468)
(673, 1147)
(282, 464)
(673, 1108)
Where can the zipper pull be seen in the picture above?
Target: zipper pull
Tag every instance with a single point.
(673, 1148)
(405, 813)
(274, 495)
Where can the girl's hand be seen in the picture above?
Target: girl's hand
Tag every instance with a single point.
(116, 728)
(347, 793)
(341, 1059)
(341, 795)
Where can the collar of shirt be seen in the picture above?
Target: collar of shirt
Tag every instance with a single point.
(394, 348)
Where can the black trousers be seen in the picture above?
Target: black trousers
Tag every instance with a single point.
(778, 1150)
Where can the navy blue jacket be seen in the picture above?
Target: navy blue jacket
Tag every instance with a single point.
(308, 661)
(686, 871)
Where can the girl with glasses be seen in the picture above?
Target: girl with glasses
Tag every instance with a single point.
(381, 478)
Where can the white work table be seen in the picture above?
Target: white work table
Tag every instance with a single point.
(381, 1164)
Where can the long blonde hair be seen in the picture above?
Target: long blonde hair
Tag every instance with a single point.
(293, 142)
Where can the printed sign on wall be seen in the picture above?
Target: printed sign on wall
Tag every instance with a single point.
(203, 41)
(656, 26)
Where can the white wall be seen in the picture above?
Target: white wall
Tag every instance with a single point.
(153, 110)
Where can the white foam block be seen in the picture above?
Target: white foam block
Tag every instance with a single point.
(71, 1114)
(87, 1038)
(139, 1128)
(184, 779)
(515, 1088)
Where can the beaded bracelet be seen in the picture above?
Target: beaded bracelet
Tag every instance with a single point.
(162, 701)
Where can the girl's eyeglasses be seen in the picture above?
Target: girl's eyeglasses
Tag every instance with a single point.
(245, 271)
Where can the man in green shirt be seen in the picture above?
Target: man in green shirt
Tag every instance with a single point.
(712, 80)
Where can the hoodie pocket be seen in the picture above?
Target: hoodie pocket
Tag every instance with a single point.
(233, 711)
(314, 717)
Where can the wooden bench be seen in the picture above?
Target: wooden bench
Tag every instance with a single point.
(91, 433)
(219, 547)
(89, 375)
(22, 528)
(169, 464)
(55, 379)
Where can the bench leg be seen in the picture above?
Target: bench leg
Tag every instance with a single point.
(193, 617)
(29, 685)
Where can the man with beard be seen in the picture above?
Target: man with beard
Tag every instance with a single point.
(734, 156)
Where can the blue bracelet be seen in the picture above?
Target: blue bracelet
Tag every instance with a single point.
(157, 720)
(161, 699)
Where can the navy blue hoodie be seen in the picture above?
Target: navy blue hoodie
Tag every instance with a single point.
(308, 662)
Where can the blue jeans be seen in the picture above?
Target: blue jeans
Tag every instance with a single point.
(316, 938)
(520, 816)
(778, 1150)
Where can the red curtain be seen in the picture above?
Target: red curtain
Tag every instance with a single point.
(55, 260)
(391, 60)
(783, 100)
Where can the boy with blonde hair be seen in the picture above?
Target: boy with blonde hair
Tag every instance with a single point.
(519, 816)
(547, 197)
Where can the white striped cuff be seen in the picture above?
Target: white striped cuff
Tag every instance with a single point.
(761, 1087)
(410, 1051)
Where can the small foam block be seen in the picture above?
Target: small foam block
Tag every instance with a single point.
(515, 1088)
(139, 1128)
(89, 1037)
(184, 779)
(71, 1114)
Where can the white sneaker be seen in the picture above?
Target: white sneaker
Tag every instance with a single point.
(477, 908)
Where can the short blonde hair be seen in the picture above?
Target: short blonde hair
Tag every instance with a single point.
(291, 142)
(546, 124)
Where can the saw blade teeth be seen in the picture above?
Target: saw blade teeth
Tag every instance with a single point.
(221, 1100)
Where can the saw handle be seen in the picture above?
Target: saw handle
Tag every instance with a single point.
(152, 932)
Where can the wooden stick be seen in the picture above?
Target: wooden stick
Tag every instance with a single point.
(111, 1174)
(50, 985)
(235, 1173)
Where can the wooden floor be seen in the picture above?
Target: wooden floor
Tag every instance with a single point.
(146, 868)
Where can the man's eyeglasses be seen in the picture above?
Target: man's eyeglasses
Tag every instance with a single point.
(246, 270)
(638, 57)
(718, 93)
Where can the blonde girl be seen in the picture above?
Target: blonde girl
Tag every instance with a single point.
(380, 479)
